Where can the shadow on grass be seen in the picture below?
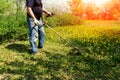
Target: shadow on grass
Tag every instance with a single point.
(91, 68)
(55, 66)
(37, 68)
(21, 48)
(61, 67)
(99, 67)
(26, 74)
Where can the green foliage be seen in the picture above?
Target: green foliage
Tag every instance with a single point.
(12, 28)
(100, 47)
(12, 21)
(64, 19)
(6, 6)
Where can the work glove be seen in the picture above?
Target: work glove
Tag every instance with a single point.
(36, 21)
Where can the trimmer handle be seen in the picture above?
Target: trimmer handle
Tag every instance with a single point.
(52, 14)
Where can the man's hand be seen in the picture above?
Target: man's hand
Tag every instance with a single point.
(36, 21)
(50, 14)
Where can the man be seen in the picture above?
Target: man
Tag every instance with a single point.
(35, 25)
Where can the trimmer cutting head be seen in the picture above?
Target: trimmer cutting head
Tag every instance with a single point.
(74, 51)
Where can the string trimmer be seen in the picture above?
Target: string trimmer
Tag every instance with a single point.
(74, 49)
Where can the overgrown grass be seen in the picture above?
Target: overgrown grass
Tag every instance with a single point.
(64, 19)
(100, 59)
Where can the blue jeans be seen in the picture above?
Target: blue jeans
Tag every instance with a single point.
(35, 32)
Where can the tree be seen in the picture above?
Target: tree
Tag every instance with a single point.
(6, 8)
(20, 5)
(76, 7)
(116, 9)
(108, 11)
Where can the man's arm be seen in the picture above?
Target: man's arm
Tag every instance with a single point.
(30, 12)
(46, 12)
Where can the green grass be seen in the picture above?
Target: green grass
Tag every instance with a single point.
(98, 41)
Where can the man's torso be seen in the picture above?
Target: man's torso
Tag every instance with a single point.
(36, 6)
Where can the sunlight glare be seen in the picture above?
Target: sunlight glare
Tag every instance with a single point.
(98, 3)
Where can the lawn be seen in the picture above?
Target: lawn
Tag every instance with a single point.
(98, 42)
